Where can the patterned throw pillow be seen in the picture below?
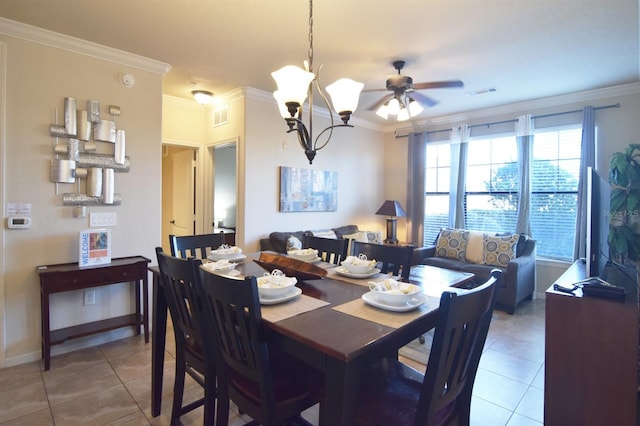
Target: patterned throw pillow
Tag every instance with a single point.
(294, 243)
(499, 250)
(452, 243)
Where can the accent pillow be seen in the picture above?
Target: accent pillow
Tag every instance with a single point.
(325, 233)
(499, 250)
(452, 243)
(475, 248)
(294, 243)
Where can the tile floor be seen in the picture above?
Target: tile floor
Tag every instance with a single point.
(110, 384)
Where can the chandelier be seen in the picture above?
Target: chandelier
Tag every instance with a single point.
(296, 84)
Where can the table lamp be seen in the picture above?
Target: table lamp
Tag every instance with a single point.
(393, 209)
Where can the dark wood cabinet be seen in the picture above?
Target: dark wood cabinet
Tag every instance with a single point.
(591, 354)
(229, 235)
(69, 277)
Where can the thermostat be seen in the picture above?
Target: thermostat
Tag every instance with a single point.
(19, 222)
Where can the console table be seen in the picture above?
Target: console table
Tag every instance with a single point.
(591, 354)
(69, 277)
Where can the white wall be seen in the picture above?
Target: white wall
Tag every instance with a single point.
(38, 78)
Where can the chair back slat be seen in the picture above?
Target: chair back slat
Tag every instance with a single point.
(329, 250)
(198, 246)
(391, 258)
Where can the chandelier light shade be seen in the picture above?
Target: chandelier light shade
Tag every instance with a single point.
(295, 84)
(393, 210)
(203, 97)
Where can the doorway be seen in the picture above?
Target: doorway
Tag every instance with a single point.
(179, 195)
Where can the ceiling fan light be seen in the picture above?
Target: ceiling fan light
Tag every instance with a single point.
(293, 84)
(394, 106)
(345, 94)
(403, 114)
(203, 97)
(415, 108)
(383, 111)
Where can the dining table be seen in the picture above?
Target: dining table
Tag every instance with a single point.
(329, 326)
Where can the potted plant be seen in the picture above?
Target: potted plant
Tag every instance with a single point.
(624, 226)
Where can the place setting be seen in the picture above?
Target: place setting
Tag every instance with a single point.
(308, 255)
(358, 267)
(276, 287)
(392, 295)
(227, 252)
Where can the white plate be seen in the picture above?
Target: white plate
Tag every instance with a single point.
(344, 271)
(214, 257)
(295, 292)
(417, 300)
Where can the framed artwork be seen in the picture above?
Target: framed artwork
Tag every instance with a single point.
(95, 247)
(308, 190)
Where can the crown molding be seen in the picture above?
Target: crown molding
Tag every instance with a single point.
(534, 104)
(83, 47)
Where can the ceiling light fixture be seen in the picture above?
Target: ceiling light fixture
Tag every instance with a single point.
(203, 97)
(403, 107)
(295, 84)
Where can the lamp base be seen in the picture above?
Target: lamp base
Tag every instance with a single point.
(391, 231)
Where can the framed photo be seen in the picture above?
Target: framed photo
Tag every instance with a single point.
(308, 190)
(95, 247)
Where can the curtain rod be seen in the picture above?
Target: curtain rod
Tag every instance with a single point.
(514, 120)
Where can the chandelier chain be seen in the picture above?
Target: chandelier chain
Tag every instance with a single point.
(310, 35)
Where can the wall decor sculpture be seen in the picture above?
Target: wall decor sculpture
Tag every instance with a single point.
(308, 190)
(76, 157)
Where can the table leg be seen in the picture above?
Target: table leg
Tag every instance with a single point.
(341, 383)
(158, 340)
(46, 332)
(145, 307)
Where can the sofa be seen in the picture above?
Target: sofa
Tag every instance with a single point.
(479, 252)
(283, 241)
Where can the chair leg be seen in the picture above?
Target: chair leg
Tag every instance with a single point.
(178, 391)
(209, 401)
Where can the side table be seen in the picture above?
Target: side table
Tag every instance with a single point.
(69, 276)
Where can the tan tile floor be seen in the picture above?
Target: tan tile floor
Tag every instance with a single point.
(110, 384)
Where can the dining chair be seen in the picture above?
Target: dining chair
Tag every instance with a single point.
(330, 250)
(391, 258)
(198, 246)
(393, 393)
(268, 385)
(178, 280)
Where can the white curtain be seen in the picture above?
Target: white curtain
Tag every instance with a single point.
(459, 148)
(524, 141)
(416, 187)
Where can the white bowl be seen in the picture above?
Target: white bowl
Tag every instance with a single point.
(357, 265)
(225, 253)
(305, 255)
(392, 292)
(271, 286)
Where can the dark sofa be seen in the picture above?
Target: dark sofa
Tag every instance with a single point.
(518, 277)
(277, 240)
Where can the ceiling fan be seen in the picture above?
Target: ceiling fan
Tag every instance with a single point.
(406, 101)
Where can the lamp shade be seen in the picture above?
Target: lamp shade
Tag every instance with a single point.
(391, 208)
(293, 84)
(394, 106)
(415, 108)
(403, 114)
(345, 94)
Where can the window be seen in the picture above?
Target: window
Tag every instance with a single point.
(492, 182)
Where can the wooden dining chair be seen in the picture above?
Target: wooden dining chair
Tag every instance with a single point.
(266, 384)
(391, 258)
(330, 250)
(198, 246)
(394, 393)
(178, 283)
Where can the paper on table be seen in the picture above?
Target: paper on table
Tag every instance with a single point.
(358, 308)
(299, 305)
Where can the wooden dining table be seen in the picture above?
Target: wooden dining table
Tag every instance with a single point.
(338, 337)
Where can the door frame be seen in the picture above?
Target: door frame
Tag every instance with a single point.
(208, 186)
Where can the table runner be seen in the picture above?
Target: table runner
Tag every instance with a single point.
(358, 308)
(299, 305)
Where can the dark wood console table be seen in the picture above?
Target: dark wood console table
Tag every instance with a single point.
(69, 276)
(591, 354)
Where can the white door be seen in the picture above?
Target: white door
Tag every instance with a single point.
(184, 215)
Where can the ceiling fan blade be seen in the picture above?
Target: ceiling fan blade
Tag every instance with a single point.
(374, 90)
(439, 85)
(380, 102)
(422, 99)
